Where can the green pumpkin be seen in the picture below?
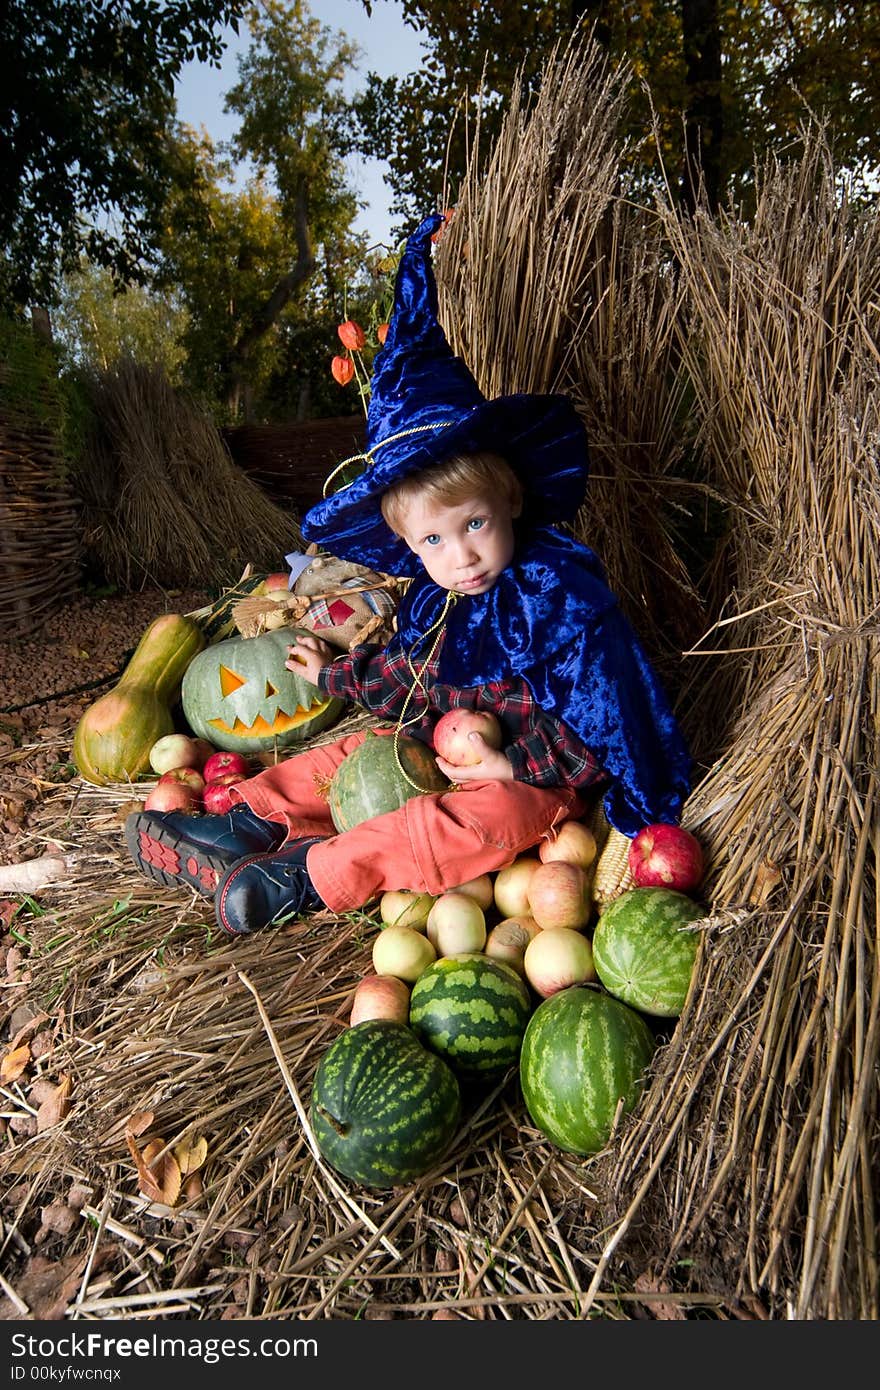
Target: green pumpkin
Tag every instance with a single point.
(240, 696)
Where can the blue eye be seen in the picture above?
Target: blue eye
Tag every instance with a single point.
(476, 523)
(433, 539)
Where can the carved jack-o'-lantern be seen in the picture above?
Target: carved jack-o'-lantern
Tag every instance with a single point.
(240, 696)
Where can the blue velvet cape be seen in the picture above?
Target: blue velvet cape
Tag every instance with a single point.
(552, 619)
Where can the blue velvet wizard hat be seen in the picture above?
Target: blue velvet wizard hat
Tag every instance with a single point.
(425, 406)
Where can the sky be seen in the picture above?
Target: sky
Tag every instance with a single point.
(389, 48)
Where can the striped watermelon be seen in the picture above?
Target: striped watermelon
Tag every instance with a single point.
(472, 1011)
(583, 1053)
(383, 1108)
(379, 776)
(643, 952)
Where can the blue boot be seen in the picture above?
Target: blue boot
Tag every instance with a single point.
(174, 848)
(266, 890)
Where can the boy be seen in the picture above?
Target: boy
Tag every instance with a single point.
(504, 612)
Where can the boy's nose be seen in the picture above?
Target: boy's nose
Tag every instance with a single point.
(466, 553)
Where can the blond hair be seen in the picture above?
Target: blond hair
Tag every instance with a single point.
(451, 482)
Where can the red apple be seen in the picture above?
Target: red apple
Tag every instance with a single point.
(174, 750)
(452, 730)
(559, 895)
(380, 996)
(173, 796)
(222, 762)
(189, 775)
(216, 798)
(665, 856)
(277, 585)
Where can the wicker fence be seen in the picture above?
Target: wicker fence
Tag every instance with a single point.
(291, 462)
(39, 529)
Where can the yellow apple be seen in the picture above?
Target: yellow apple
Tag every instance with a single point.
(456, 923)
(556, 958)
(403, 907)
(511, 886)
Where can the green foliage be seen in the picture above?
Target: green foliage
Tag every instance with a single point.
(30, 394)
(97, 322)
(85, 104)
(778, 62)
(34, 395)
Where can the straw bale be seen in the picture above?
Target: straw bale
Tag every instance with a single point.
(163, 503)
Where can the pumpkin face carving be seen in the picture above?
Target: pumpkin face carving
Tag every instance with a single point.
(239, 695)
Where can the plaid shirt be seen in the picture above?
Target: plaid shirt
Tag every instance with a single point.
(541, 749)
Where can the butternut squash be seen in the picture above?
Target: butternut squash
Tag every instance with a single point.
(113, 738)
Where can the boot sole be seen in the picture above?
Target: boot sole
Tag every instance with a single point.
(170, 859)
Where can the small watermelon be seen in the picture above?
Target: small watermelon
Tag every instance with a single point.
(383, 1108)
(380, 775)
(644, 951)
(472, 1011)
(584, 1054)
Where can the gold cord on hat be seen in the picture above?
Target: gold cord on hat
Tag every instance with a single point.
(418, 684)
(368, 458)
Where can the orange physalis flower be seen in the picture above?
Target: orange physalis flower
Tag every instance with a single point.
(351, 335)
(382, 332)
(342, 369)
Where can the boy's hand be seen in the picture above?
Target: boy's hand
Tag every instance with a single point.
(306, 656)
(492, 765)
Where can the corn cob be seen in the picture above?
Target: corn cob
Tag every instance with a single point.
(613, 875)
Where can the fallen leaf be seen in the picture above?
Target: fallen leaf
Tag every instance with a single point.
(139, 1122)
(171, 1180)
(193, 1188)
(662, 1309)
(47, 1287)
(191, 1154)
(158, 1173)
(8, 910)
(27, 1029)
(768, 877)
(148, 1184)
(59, 1218)
(14, 1064)
(55, 1107)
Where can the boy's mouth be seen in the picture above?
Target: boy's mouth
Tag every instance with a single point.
(474, 582)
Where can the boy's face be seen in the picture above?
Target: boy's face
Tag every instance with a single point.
(463, 547)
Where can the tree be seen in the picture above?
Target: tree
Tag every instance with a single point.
(264, 268)
(289, 95)
(85, 104)
(96, 323)
(725, 82)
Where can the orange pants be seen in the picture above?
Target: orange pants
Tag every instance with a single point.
(431, 844)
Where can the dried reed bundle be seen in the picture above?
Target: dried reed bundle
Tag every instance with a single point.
(513, 265)
(644, 516)
(758, 1145)
(549, 281)
(163, 501)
